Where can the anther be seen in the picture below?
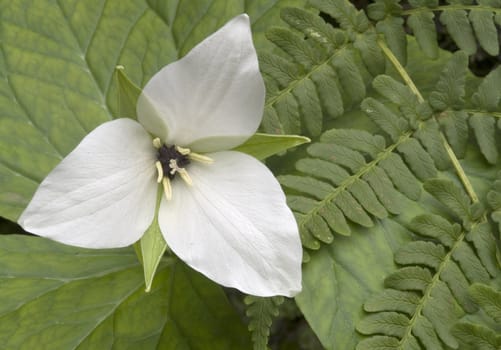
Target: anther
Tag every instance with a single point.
(183, 151)
(184, 175)
(181, 171)
(200, 158)
(157, 143)
(160, 170)
(173, 166)
(167, 188)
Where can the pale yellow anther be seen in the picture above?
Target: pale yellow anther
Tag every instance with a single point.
(174, 167)
(184, 175)
(160, 171)
(167, 188)
(183, 151)
(200, 158)
(181, 171)
(157, 143)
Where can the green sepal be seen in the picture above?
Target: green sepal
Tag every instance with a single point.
(151, 248)
(262, 146)
(128, 94)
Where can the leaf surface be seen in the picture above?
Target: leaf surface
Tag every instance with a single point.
(60, 297)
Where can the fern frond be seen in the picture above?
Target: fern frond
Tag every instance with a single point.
(325, 70)
(480, 336)
(465, 22)
(350, 175)
(428, 293)
(261, 312)
(450, 103)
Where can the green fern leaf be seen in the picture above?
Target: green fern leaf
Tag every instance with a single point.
(403, 179)
(451, 196)
(313, 27)
(486, 247)
(428, 294)
(300, 51)
(350, 77)
(484, 129)
(395, 91)
(383, 343)
(485, 30)
(409, 278)
(345, 13)
(436, 227)
(450, 89)
(261, 312)
(389, 122)
(476, 337)
(358, 140)
(418, 159)
(480, 336)
(429, 135)
(390, 323)
(488, 93)
(470, 264)
(352, 176)
(393, 30)
(458, 26)
(423, 27)
(488, 299)
(370, 52)
(455, 125)
(393, 300)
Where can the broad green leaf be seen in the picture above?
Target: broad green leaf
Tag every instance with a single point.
(57, 70)
(262, 146)
(60, 297)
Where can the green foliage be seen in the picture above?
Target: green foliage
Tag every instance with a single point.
(465, 21)
(387, 118)
(321, 72)
(408, 124)
(261, 312)
(429, 292)
(473, 336)
(59, 81)
(60, 297)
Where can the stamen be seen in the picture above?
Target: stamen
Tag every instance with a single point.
(167, 188)
(157, 143)
(174, 167)
(160, 170)
(200, 158)
(184, 175)
(183, 151)
(181, 171)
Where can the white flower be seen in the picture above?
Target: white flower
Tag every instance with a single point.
(223, 212)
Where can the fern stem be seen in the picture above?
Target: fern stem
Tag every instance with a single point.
(459, 170)
(450, 8)
(487, 113)
(455, 162)
(400, 69)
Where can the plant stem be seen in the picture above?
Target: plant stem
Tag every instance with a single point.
(407, 79)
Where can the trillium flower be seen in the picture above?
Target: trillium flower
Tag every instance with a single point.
(222, 212)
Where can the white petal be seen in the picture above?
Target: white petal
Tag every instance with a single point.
(234, 226)
(213, 98)
(102, 195)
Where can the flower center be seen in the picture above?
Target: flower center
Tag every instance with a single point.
(172, 160)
